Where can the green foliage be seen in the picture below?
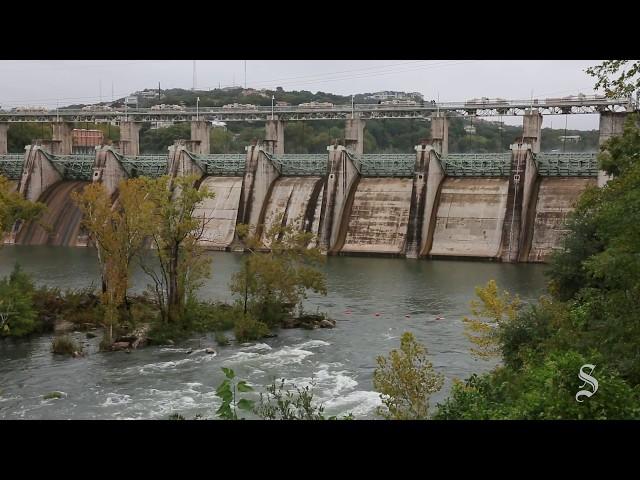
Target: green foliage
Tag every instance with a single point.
(228, 410)
(248, 329)
(65, 345)
(618, 78)
(21, 134)
(499, 308)
(221, 338)
(53, 395)
(542, 390)
(14, 208)
(272, 283)
(181, 264)
(405, 380)
(18, 316)
(280, 403)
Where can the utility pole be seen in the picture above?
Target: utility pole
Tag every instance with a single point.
(245, 74)
(159, 92)
(194, 76)
(112, 97)
(100, 87)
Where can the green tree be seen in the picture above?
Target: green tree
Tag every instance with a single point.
(18, 316)
(14, 208)
(618, 78)
(118, 232)
(181, 264)
(406, 379)
(271, 283)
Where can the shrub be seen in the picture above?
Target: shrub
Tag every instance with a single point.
(18, 316)
(65, 345)
(405, 380)
(248, 328)
(221, 338)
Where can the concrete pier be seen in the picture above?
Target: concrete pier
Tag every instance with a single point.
(38, 174)
(3, 138)
(129, 139)
(435, 178)
(339, 190)
(532, 130)
(258, 180)
(354, 135)
(415, 230)
(61, 138)
(200, 136)
(274, 137)
(440, 134)
(611, 125)
(108, 170)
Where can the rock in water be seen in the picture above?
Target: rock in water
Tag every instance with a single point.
(120, 346)
(326, 324)
(210, 351)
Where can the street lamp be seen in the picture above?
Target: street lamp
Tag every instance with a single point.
(273, 97)
(197, 108)
(352, 108)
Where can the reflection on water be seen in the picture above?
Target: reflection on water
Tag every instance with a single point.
(374, 301)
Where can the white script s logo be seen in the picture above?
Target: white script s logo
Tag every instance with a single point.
(588, 379)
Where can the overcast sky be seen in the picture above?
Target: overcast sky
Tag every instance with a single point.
(46, 82)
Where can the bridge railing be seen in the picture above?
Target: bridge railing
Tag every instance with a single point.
(221, 164)
(72, 167)
(387, 164)
(301, 165)
(571, 164)
(11, 165)
(477, 164)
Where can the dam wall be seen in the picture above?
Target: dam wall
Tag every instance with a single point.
(469, 217)
(379, 216)
(60, 223)
(220, 213)
(108, 170)
(295, 201)
(556, 198)
(38, 173)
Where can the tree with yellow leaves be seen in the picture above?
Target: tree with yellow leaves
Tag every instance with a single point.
(497, 308)
(118, 232)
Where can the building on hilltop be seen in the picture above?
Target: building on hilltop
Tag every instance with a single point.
(391, 95)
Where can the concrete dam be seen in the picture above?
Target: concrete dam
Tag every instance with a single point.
(509, 206)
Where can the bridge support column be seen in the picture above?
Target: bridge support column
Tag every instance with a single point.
(129, 139)
(611, 125)
(61, 138)
(3, 138)
(532, 129)
(200, 134)
(274, 137)
(354, 135)
(440, 133)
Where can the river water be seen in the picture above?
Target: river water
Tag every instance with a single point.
(374, 301)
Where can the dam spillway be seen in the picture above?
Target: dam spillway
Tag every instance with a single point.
(220, 213)
(469, 217)
(297, 201)
(62, 218)
(378, 219)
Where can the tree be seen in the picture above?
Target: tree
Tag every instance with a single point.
(175, 233)
(14, 208)
(406, 379)
(118, 232)
(499, 309)
(618, 78)
(18, 316)
(273, 282)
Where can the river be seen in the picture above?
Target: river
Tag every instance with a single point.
(374, 301)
